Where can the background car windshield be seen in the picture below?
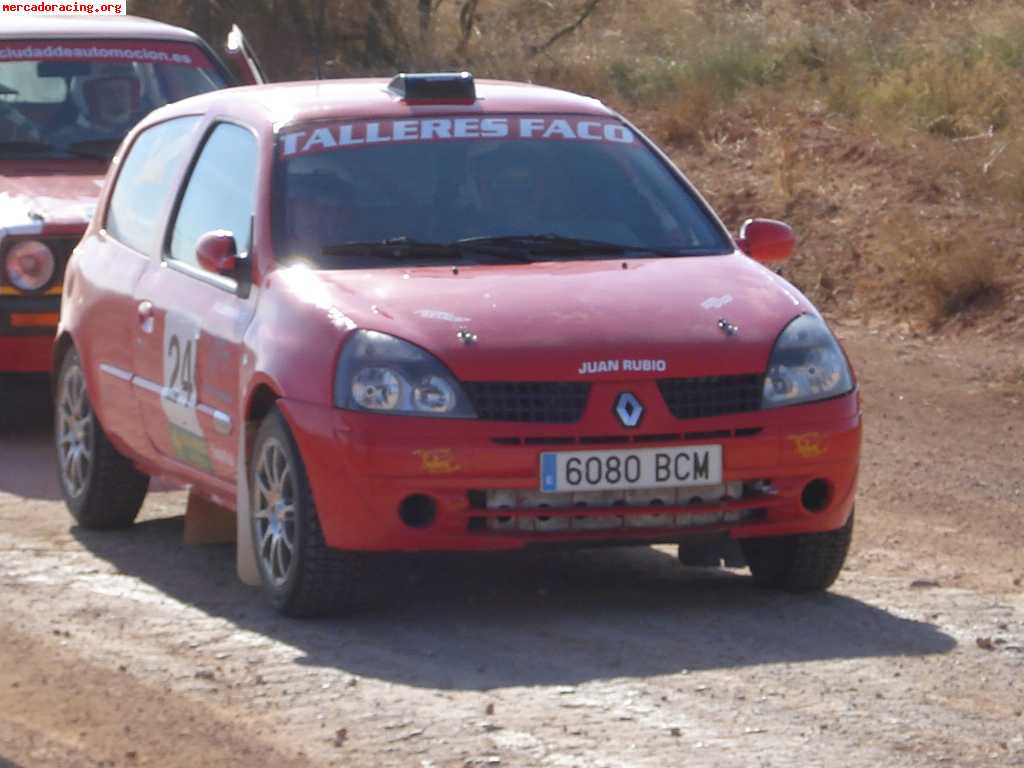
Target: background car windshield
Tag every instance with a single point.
(76, 97)
(443, 180)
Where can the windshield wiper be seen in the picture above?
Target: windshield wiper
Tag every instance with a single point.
(552, 243)
(26, 145)
(103, 149)
(395, 247)
(402, 247)
(547, 243)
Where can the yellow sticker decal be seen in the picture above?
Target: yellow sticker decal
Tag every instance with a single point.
(438, 461)
(809, 445)
(190, 448)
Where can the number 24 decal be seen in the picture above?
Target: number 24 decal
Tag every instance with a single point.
(183, 364)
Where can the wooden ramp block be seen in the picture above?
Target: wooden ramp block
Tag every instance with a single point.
(208, 523)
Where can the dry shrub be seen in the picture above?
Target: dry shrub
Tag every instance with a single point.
(945, 95)
(935, 269)
(790, 166)
(1003, 169)
(690, 117)
(961, 275)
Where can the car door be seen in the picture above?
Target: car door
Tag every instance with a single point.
(111, 262)
(190, 351)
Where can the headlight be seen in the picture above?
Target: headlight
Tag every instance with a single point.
(29, 265)
(383, 374)
(806, 365)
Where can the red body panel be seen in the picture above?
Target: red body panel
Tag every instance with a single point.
(362, 467)
(533, 322)
(25, 354)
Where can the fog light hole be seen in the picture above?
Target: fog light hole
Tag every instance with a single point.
(417, 511)
(816, 496)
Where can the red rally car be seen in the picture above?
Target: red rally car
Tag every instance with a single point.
(433, 314)
(70, 89)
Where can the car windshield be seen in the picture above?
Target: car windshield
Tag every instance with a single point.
(69, 98)
(485, 189)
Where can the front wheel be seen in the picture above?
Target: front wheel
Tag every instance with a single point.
(807, 562)
(101, 488)
(300, 573)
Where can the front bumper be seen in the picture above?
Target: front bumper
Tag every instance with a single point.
(361, 467)
(26, 354)
(27, 329)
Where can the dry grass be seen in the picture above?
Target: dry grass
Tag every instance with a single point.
(948, 271)
(962, 276)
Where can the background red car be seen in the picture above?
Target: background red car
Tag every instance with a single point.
(70, 90)
(428, 315)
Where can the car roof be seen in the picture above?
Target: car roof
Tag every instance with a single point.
(133, 27)
(283, 104)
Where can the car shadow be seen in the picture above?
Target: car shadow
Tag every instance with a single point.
(477, 622)
(26, 448)
(27, 456)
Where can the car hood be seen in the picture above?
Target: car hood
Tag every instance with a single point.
(33, 197)
(570, 320)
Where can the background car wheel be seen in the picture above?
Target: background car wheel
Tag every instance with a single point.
(808, 562)
(101, 487)
(301, 574)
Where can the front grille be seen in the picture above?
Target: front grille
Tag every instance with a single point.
(533, 402)
(705, 396)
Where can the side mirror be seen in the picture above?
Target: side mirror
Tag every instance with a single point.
(216, 252)
(766, 240)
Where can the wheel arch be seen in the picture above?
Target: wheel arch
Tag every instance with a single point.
(63, 344)
(260, 402)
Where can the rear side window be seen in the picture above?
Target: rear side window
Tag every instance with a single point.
(146, 182)
(220, 192)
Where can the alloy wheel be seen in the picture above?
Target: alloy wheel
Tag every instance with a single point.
(75, 432)
(274, 512)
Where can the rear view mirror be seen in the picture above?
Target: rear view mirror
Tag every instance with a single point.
(216, 252)
(766, 240)
(65, 69)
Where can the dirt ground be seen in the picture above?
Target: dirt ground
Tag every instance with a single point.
(128, 648)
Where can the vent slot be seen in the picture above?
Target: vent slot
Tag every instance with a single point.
(531, 402)
(707, 396)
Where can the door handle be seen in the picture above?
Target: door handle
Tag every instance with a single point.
(145, 311)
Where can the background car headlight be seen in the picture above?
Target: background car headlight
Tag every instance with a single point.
(383, 374)
(29, 265)
(806, 365)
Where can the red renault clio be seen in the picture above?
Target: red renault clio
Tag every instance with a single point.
(70, 89)
(433, 314)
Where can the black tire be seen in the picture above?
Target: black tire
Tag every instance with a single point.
(107, 491)
(808, 562)
(318, 580)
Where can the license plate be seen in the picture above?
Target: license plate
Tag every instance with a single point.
(563, 471)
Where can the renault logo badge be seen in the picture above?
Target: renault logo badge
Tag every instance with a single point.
(628, 409)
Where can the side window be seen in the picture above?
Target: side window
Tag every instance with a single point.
(220, 192)
(145, 183)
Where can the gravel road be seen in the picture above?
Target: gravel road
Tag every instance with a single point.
(129, 648)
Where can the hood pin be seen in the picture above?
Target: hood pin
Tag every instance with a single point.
(728, 328)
